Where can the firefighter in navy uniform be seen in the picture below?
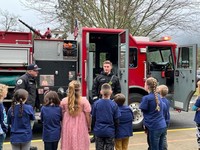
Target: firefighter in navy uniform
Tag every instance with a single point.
(106, 76)
(28, 82)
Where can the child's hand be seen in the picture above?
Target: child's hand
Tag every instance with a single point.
(195, 108)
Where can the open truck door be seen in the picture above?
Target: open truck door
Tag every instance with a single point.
(123, 50)
(89, 66)
(185, 76)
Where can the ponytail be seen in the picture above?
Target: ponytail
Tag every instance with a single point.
(73, 97)
(152, 83)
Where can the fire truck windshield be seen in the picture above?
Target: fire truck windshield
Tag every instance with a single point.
(159, 58)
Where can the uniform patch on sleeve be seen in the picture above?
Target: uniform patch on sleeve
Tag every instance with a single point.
(19, 81)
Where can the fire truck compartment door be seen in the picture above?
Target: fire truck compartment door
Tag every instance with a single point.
(89, 67)
(14, 56)
(123, 49)
(48, 50)
(185, 76)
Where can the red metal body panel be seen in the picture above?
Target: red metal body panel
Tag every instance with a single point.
(17, 40)
(15, 37)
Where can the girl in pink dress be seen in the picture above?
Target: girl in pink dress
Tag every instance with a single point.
(76, 123)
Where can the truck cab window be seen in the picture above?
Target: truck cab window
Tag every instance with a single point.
(133, 58)
(185, 57)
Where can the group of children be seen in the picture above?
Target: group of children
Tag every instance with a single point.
(68, 119)
(71, 118)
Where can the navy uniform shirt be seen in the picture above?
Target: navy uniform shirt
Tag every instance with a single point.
(105, 112)
(21, 131)
(166, 111)
(153, 119)
(51, 117)
(28, 83)
(197, 114)
(125, 127)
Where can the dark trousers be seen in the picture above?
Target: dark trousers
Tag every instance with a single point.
(50, 145)
(198, 134)
(104, 143)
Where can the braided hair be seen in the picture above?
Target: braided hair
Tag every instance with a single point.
(152, 85)
(19, 97)
(74, 96)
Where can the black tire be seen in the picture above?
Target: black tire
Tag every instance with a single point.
(134, 101)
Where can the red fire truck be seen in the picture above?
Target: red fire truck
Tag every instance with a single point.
(134, 59)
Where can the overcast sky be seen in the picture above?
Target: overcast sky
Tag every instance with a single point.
(26, 15)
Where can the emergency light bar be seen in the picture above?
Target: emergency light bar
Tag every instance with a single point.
(164, 38)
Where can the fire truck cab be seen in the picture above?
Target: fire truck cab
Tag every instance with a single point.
(135, 59)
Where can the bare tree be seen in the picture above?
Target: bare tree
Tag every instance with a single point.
(8, 21)
(45, 10)
(141, 17)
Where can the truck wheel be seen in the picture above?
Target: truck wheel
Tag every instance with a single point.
(135, 99)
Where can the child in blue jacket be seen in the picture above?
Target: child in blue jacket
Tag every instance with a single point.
(196, 108)
(51, 117)
(125, 127)
(105, 115)
(152, 108)
(163, 91)
(19, 119)
(3, 117)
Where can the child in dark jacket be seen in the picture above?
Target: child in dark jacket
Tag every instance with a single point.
(19, 119)
(105, 115)
(51, 116)
(163, 91)
(3, 117)
(125, 127)
(196, 108)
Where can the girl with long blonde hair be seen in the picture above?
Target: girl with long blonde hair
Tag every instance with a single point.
(76, 123)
